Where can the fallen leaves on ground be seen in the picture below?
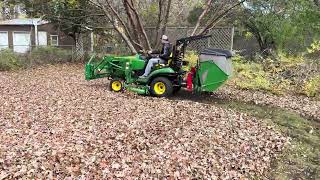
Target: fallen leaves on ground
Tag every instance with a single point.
(303, 105)
(54, 124)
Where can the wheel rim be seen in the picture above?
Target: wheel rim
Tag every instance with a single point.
(116, 85)
(159, 88)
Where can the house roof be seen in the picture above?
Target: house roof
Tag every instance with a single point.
(25, 21)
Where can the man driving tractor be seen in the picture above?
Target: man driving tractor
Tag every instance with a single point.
(213, 68)
(163, 57)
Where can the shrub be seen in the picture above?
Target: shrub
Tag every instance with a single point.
(287, 74)
(250, 76)
(312, 87)
(192, 58)
(10, 60)
(49, 55)
(315, 47)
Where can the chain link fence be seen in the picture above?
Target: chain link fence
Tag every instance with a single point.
(112, 43)
(220, 38)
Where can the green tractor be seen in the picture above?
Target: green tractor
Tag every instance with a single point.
(212, 70)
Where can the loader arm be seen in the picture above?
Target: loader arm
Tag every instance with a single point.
(94, 70)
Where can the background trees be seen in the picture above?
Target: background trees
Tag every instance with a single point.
(281, 25)
(278, 25)
(10, 10)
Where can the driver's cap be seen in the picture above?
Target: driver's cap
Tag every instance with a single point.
(164, 38)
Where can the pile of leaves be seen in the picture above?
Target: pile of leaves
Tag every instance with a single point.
(54, 124)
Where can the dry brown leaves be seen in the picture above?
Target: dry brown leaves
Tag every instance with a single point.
(303, 105)
(54, 124)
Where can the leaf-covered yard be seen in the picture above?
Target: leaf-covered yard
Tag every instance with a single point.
(55, 124)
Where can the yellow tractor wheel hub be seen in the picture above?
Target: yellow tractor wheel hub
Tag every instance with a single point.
(159, 88)
(116, 86)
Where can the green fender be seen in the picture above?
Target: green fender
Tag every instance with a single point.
(157, 73)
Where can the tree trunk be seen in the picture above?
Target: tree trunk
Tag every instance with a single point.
(166, 19)
(163, 29)
(156, 38)
(264, 42)
(133, 32)
(132, 23)
(137, 20)
(116, 14)
(116, 27)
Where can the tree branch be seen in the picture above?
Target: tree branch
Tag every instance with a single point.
(216, 20)
(204, 12)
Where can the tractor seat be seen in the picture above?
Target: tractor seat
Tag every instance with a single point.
(160, 65)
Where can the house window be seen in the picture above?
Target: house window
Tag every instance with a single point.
(54, 40)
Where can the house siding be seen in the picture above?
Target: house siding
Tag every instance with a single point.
(64, 40)
(12, 28)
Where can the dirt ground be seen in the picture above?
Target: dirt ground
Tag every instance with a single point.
(54, 124)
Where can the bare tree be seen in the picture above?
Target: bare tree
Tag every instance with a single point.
(136, 23)
(108, 11)
(129, 24)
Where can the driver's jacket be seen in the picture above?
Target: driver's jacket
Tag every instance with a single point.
(166, 51)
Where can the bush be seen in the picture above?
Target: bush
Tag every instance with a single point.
(287, 74)
(312, 87)
(313, 52)
(192, 58)
(9, 60)
(250, 76)
(49, 55)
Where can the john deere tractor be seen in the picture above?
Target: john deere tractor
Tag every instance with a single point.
(212, 70)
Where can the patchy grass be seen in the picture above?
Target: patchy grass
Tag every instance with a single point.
(301, 159)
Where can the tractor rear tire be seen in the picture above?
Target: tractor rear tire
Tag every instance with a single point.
(161, 87)
(116, 85)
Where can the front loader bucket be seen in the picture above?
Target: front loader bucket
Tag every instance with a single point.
(215, 68)
(89, 71)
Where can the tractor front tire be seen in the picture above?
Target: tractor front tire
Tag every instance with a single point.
(161, 87)
(116, 85)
